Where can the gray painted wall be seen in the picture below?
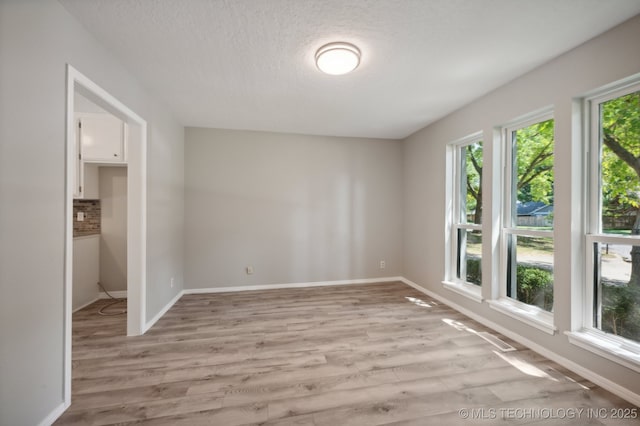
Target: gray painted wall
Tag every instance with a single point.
(604, 60)
(86, 270)
(297, 208)
(113, 235)
(37, 39)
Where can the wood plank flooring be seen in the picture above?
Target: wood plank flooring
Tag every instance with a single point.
(347, 355)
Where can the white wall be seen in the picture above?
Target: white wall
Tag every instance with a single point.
(37, 39)
(297, 208)
(165, 209)
(86, 270)
(91, 190)
(608, 58)
(113, 228)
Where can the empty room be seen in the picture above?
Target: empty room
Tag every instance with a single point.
(305, 212)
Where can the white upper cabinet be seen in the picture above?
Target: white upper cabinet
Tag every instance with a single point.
(102, 138)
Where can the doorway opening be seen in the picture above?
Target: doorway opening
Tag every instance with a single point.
(99, 210)
(80, 87)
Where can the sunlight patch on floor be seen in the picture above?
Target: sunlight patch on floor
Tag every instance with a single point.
(524, 366)
(418, 302)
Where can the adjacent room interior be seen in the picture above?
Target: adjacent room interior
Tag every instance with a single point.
(229, 231)
(99, 207)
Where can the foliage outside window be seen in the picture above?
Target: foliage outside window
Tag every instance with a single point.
(613, 237)
(528, 213)
(466, 224)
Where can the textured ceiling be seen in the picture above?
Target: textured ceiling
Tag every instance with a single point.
(248, 64)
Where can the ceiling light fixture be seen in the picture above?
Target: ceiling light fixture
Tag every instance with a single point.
(338, 58)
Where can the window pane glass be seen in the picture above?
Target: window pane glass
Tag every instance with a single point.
(532, 185)
(469, 256)
(617, 294)
(472, 182)
(620, 184)
(530, 272)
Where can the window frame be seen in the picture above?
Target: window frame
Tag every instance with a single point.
(528, 314)
(456, 166)
(586, 334)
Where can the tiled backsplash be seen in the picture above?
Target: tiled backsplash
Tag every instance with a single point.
(91, 223)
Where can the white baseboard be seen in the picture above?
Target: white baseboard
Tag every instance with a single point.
(599, 380)
(53, 415)
(289, 285)
(163, 311)
(86, 304)
(120, 294)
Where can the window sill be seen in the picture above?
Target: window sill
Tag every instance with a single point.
(611, 348)
(530, 315)
(468, 290)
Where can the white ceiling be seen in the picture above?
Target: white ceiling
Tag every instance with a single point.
(248, 64)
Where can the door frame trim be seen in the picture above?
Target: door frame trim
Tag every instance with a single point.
(136, 210)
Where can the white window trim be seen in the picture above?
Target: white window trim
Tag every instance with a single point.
(618, 350)
(614, 348)
(451, 282)
(528, 314)
(471, 291)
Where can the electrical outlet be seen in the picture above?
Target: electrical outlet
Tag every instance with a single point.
(80, 217)
(383, 264)
(172, 279)
(249, 270)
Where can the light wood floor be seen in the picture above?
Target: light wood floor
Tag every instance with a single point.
(347, 355)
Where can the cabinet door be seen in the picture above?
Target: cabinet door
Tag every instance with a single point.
(102, 139)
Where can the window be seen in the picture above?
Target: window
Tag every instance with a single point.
(528, 215)
(465, 270)
(612, 310)
(527, 222)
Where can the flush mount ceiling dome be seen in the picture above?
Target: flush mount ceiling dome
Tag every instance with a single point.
(338, 58)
